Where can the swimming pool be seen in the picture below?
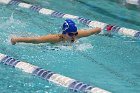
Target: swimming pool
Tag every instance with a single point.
(108, 63)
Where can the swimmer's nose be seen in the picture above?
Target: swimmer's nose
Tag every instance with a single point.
(72, 39)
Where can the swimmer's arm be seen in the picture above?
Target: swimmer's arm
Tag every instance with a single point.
(42, 39)
(52, 38)
(85, 33)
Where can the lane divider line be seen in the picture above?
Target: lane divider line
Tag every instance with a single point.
(64, 81)
(103, 26)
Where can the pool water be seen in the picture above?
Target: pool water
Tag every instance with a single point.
(111, 63)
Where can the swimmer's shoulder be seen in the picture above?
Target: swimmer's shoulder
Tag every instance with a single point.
(56, 37)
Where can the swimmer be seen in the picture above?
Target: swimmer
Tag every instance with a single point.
(69, 34)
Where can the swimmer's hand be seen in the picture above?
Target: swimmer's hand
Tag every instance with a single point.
(13, 42)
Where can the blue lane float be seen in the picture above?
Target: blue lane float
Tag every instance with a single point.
(35, 8)
(103, 26)
(64, 81)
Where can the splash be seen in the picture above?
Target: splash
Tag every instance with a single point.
(84, 46)
(10, 22)
(78, 47)
(73, 47)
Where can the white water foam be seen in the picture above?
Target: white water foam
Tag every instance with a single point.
(79, 46)
(11, 23)
(67, 47)
(85, 46)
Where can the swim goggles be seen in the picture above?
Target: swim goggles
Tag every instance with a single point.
(72, 34)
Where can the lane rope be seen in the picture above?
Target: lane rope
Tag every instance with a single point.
(71, 84)
(135, 2)
(104, 26)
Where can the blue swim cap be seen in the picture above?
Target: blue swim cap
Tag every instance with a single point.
(69, 26)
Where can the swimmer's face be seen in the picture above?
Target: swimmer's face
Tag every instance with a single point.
(71, 36)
